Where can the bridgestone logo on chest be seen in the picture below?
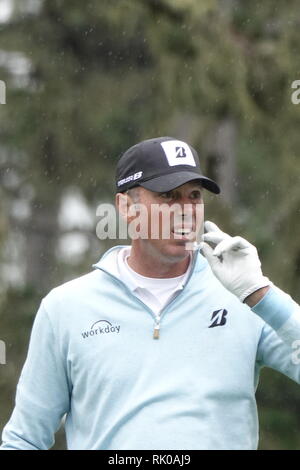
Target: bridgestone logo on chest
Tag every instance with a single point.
(101, 327)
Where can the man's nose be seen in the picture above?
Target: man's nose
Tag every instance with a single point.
(185, 214)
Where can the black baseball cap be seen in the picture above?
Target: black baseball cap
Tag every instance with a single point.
(160, 164)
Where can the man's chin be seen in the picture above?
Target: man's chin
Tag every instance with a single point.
(177, 250)
(171, 251)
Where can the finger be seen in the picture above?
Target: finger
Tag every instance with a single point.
(231, 244)
(207, 251)
(211, 227)
(214, 237)
(240, 243)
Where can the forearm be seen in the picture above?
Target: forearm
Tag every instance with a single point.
(42, 393)
(280, 311)
(256, 297)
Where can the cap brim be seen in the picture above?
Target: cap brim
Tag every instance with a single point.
(173, 180)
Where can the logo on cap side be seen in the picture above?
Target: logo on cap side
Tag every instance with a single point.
(178, 153)
(133, 177)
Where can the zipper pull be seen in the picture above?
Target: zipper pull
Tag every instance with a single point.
(156, 328)
(156, 332)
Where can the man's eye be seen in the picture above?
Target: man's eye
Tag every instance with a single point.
(166, 195)
(196, 195)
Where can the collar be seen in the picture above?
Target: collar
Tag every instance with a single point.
(108, 263)
(133, 282)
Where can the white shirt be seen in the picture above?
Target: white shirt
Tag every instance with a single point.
(154, 292)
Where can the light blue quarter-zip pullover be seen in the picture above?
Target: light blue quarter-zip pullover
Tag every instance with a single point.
(92, 357)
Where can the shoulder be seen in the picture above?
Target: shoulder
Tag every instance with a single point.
(72, 295)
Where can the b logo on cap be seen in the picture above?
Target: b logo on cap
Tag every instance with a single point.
(178, 153)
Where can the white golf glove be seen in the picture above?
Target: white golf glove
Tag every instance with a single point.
(234, 261)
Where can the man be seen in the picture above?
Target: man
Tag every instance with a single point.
(159, 347)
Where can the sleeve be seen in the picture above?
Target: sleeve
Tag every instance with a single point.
(43, 392)
(279, 345)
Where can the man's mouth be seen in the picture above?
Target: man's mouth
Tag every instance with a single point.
(183, 233)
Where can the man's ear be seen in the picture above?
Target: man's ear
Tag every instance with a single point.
(124, 205)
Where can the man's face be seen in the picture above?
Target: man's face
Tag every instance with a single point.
(170, 220)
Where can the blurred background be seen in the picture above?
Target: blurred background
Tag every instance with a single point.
(85, 81)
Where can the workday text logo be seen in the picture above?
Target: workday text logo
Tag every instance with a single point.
(101, 327)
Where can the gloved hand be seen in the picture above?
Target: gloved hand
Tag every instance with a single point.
(234, 261)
